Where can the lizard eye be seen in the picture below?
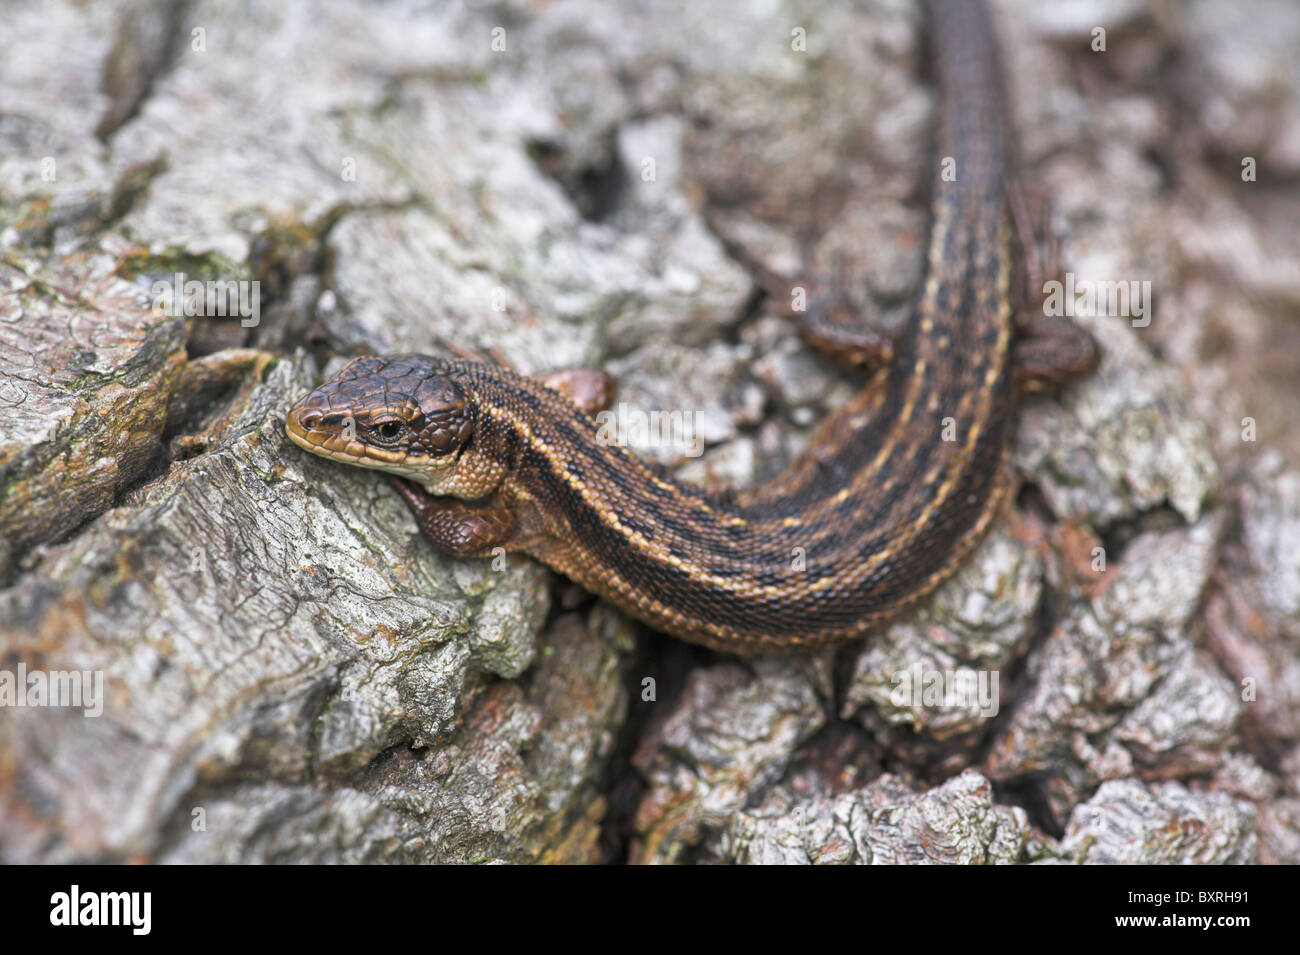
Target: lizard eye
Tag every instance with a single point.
(388, 430)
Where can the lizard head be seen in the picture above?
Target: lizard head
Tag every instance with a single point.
(404, 415)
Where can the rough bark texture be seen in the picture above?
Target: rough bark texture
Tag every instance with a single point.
(290, 674)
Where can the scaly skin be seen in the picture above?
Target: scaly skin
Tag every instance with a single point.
(876, 514)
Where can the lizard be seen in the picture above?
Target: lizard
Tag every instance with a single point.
(879, 510)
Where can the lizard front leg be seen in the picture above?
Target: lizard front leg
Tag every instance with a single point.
(588, 388)
(457, 529)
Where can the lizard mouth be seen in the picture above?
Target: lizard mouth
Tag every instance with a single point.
(304, 428)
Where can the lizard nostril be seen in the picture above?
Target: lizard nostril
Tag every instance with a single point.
(308, 418)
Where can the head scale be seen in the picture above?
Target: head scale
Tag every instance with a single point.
(404, 415)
